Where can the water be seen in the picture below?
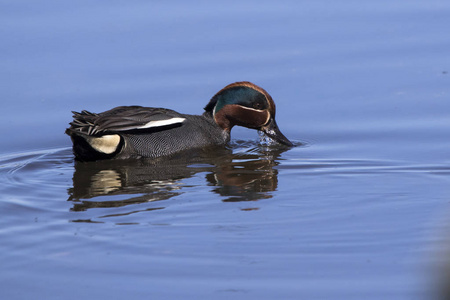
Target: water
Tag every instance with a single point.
(357, 210)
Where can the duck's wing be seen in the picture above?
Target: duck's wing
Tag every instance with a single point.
(124, 118)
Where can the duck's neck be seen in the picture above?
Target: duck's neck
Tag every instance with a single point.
(209, 116)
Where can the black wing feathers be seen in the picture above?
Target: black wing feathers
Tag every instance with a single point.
(121, 118)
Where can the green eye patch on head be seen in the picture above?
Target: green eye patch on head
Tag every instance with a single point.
(239, 95)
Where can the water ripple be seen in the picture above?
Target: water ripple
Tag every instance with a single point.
(49, 180)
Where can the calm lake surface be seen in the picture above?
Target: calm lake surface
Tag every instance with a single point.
(359, 209)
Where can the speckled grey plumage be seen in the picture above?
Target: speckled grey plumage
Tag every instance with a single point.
(194, 132)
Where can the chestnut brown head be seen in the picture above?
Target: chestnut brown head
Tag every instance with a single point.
(246, 104)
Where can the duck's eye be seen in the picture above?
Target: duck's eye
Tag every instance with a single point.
(257, 105)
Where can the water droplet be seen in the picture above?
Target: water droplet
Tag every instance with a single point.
(265, 140)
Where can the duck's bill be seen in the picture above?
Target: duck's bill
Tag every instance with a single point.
(272, 131)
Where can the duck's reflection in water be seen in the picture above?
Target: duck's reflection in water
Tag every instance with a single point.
(248, 175)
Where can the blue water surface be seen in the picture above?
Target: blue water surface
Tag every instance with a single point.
(357, 210)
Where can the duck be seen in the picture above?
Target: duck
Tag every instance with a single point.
(133, 132)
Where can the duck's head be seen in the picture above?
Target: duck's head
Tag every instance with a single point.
(246, 104)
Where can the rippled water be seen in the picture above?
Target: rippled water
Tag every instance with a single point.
(248, 221)
(358, 209)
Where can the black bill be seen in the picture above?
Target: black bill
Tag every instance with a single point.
(272, 131)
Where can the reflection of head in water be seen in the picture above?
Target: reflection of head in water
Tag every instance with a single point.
(246, 178)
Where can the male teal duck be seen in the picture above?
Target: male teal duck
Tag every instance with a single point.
(146, 132)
